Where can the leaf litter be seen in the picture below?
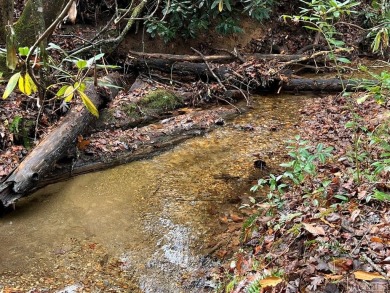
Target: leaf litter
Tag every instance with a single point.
(338, 242)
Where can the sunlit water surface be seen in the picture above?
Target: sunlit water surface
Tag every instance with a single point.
(156, 216)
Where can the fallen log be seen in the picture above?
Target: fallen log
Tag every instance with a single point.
(224, 58)
(323, 85)
(229, 76)
(42, 158)
(138, 107)
(138, 143)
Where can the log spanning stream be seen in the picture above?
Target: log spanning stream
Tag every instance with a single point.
(145, 226)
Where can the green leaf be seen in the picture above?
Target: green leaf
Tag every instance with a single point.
(93, 60)
(336, 43)
(80, 86)
(23, 51)
(11, 85)
(88, 104)
(311, 28)
(61, 91)
(68, 94)
(343, 60)
(107, 84)
(342, 197)
(362, 99)
(382, 196)
(81, 64)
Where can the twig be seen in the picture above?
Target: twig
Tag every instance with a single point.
(234, 53)
(209, 68)
(226, 101)
(243, 93)
(312, 56)
(375, 266)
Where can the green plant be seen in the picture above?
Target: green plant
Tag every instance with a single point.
(370, 151)
(381, 196)
(185, 18)
(302, 167)
(188, 18)
(228, 25)
(258, 9)
(305, 159)
(75, 84)
(378, 87)
(379, 30)
(72, 84)
(22, 79)
(320, 16)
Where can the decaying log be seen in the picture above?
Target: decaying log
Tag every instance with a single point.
(225, 58)
(140, 143)
(42, 158)
(224, 73)
(323, 85)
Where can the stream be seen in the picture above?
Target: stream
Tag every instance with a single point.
(144, 226)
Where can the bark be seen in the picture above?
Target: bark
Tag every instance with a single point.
(6, 17)
(41, 160)
(226, 74)
(223, 58)
(323, 85)
(37, 15)
(141, 142)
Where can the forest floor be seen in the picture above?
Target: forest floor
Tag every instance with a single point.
(326, 234)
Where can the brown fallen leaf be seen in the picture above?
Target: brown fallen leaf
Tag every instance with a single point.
(236, 218)
(270, 281)
(340, 265)
(367, 276)
(82, 143)
(315, 230)
(333, 277)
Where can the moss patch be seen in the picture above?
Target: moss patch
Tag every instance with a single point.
(160, 100)
(131, 111)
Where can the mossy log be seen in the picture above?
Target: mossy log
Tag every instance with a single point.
(42, 158)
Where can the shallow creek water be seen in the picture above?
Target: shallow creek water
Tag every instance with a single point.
(149, 221)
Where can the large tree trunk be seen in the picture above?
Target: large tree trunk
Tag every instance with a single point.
(37, 15)
(41, 160)
(6, 17)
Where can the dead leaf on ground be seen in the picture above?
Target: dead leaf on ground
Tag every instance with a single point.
(236, 218)
(367, 276)
(270, 281)
(333, 277)
(315, 230)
